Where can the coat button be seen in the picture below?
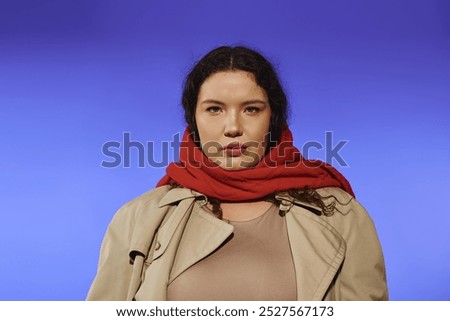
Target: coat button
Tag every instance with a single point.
(157, 246)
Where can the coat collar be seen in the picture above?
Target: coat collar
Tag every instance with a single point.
(175, 195)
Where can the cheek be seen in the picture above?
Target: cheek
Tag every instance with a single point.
(263, 130)
(208, 131)
(201, 124)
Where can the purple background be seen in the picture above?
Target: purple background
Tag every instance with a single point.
(76, 74)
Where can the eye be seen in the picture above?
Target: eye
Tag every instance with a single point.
(252, 110)
(213, 109)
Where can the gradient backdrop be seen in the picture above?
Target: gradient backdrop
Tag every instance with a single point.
(77, 74)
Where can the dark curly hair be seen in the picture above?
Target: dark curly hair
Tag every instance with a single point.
(237, 58)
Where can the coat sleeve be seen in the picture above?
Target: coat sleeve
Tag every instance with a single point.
(362, 275)
(114, 270)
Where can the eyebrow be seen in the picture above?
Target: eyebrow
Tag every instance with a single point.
(247, 102)
(212, 101)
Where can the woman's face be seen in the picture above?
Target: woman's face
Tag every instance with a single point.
(233, 119)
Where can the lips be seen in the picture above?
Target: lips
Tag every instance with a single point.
(234, 149)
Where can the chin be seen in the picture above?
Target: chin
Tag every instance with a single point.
(235, 164)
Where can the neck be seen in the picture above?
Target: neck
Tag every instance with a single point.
(244, 211)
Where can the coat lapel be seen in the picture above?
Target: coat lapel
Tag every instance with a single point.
(318, 251)
(202, 235)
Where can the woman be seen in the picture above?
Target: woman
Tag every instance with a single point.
(242, 216)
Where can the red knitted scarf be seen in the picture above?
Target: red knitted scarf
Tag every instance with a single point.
(283, 168)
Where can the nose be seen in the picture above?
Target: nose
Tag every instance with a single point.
(233, 126)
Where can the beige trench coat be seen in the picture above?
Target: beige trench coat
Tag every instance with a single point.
(155, 237)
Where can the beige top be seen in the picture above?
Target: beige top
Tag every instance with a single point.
(254, 263)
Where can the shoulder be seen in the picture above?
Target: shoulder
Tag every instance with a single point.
(349, 216)
(335, 193)
(149, 198)
(153, 203)
(344, 203)
(127, 213)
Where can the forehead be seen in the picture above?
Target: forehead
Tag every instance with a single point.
(228, 84)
